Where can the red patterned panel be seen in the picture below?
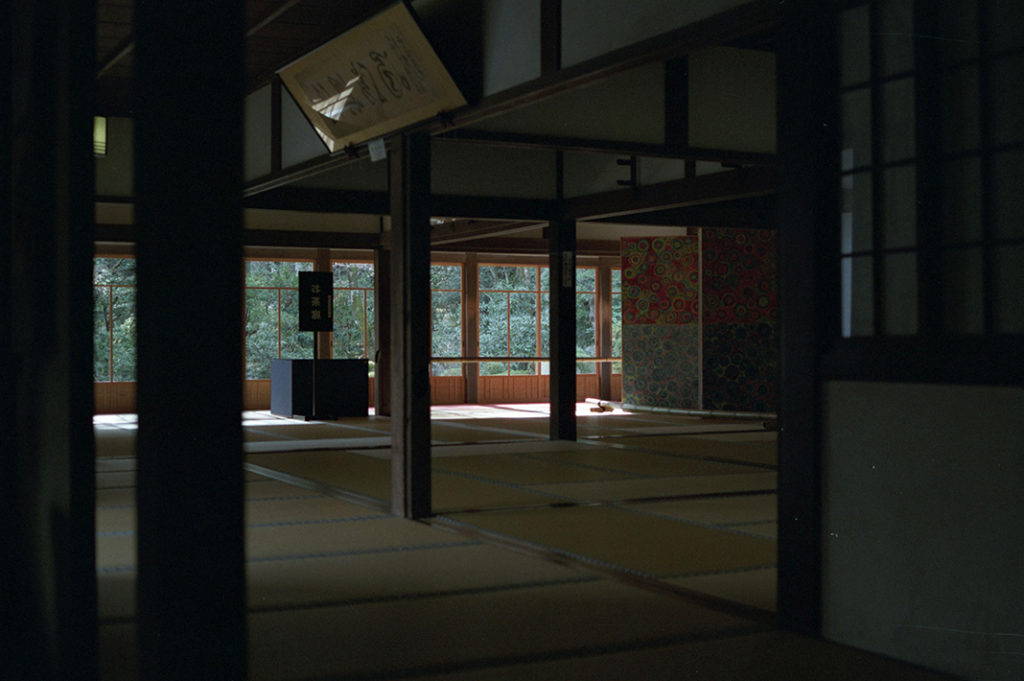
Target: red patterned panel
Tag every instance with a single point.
(659, 280)
(739, 276)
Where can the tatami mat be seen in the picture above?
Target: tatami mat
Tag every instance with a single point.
(769, 656)
(391, 639)
(363, 475)
(755, 587)
(620, 490)
(728, 510)
(641, 463)
(620, 538)
(757, 452)
(396, 575)
(522, 470)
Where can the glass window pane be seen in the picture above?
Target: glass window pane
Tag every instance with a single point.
(586, 325)
(352, 274)
(958, 30)
(616, 280)
(1009, 282)
(1007, 108)
(508, 278)
(545, 279)
(493, 324)
(260, 332)
(522, 368)
(123, 333)
(1006, 24)
(961, 201)
(349, 341)
(586, 279)
(960, 110)
(101, 333)
(295, 344)
(113, 271)
(371, 326)
(856, 129)
(899, 220)
(545, 326)
(493, 369)
(446, 338)
(858, 296)
(275, 272)
(963, 291)
(1007, 197)
(857, 230)
(900, 294)
(446, 276)
(523, 324)
(896, 37)
(898, 119)
(854, 41)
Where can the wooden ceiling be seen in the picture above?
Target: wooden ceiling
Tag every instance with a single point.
(277, 32)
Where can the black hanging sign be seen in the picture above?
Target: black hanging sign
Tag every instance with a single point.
(316, 301)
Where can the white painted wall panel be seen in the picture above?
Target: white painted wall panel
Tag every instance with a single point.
(257, 133)
(115, 172)
(923, 523)
(299, 142)
(361, 175)
(732, 99)
(627, 107)
(479, 170)
(591, 28)
(591, 173)
(511, 43)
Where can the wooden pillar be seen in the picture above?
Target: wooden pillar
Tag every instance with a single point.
(382, 318)
(48, 610)
(410, 326)
(808, 219)
(188, 176)
(562, 255)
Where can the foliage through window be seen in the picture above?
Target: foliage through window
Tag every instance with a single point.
(354, 327)
(272, 315)
(113, 319)
(446, 317)
(586, 318)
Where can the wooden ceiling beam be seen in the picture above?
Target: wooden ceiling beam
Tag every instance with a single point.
(692, 191)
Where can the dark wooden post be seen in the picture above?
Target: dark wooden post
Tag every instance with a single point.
(562, 247)
(48, 610)
(188, 176)
(808, 216)
(410, 326)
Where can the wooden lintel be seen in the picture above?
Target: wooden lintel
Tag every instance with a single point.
(470, 230)
(321, 200)
(693, 191)
(617, 147)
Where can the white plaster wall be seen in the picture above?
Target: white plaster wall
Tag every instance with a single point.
(257, 133)
(923, 521)
(481, 170)
(511, 43)
(732, 99)
(299, 142)
(591, 28)
(628, 106)
(115, 172)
